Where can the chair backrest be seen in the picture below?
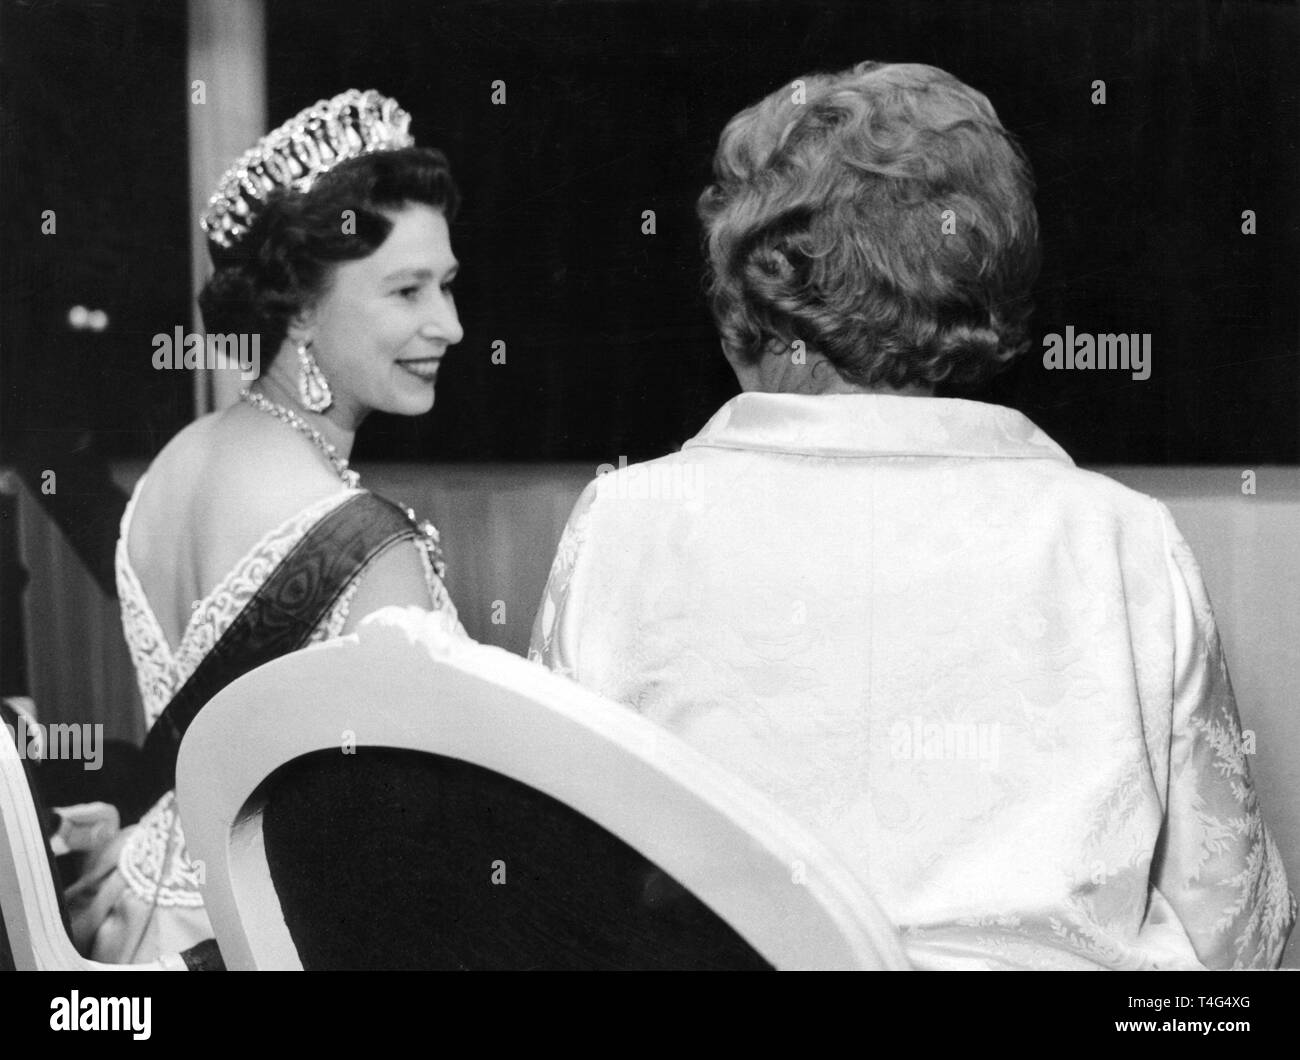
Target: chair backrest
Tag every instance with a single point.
(490, 814)
(35, 935)
(35, 921)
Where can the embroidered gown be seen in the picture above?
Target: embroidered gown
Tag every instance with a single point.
(990, 680)
(144, 901)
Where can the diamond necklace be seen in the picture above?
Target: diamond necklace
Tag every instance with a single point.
(287, 416)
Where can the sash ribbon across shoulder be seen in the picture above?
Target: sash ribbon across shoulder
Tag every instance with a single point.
(280, 618)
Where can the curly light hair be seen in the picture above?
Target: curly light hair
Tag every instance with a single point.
(829, 223)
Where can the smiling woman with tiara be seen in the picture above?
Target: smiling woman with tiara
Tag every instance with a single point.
(236, 513)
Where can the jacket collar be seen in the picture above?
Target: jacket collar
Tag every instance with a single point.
(866, 425)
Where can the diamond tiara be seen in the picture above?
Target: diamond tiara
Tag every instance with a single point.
(311, 143)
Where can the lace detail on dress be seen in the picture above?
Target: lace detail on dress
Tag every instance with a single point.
(151, 656)
(154, 861)
(218, 609)
(160, 670)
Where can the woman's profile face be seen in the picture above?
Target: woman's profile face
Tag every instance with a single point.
(386, 321)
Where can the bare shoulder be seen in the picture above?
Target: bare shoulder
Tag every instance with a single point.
(257, 462)
(396, 578)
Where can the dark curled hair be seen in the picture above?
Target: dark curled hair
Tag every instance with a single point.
(826, 224)
(284, 263)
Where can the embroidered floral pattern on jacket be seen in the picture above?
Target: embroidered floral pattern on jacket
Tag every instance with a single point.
(989, 680)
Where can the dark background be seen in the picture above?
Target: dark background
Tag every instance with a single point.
(614, 108)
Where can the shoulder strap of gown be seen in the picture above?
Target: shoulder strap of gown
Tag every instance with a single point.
(295, 598)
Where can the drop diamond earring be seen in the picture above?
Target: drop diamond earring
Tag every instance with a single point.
(313, 387)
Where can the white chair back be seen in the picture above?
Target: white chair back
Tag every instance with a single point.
(29, 900)
(404, 682)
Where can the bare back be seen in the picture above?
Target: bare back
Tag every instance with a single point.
(213, 493)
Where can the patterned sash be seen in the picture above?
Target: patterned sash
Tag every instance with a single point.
(280, 618)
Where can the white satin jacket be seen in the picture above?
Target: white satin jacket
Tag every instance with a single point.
(991, 681)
